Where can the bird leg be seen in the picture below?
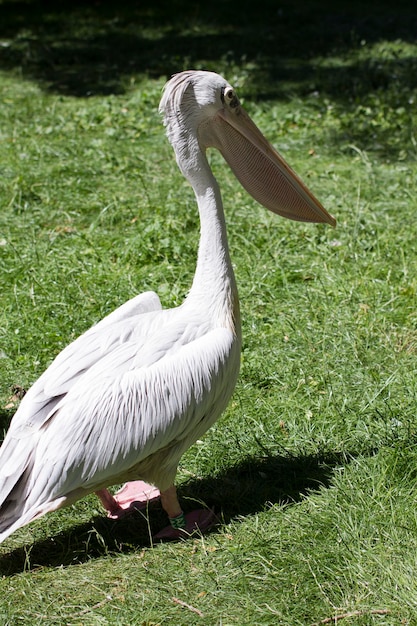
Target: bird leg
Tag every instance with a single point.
(109, 503)
(182, 525)
(138, 494)
(170, 504)
(132, 496)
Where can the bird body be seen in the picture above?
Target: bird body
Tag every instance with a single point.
(127, 398)
(175, 365)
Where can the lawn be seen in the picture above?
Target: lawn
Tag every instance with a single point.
(312, 469)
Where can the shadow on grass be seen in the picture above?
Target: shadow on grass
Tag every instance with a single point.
(78, 48)
(5, 419)
(243, 490)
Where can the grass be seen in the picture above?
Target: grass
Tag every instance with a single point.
(312, 468)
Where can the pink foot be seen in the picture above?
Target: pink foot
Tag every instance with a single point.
(136, 492)
(197, 522)
(132, 496)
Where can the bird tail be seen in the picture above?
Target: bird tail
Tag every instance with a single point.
(15, 464)
(9, 522)
(15, 459)
(13, 525)
(23, 495)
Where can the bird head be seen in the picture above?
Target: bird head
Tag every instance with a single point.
(203, 108)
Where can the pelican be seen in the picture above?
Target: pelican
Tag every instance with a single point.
(124, 401)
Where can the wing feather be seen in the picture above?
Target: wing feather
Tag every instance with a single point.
(80, 355)
(63, 373)
(124, 420)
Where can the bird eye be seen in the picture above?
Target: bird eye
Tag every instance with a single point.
(230, 98)
(229, 94)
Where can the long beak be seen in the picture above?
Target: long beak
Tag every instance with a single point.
(261, 170)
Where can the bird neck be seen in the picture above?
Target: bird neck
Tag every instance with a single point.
(214, 281)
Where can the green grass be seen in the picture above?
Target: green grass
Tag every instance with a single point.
(313, 467)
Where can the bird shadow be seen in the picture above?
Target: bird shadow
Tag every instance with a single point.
(248, 488)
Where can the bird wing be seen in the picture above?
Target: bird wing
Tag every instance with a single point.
(114, 417)
(78, 357)
(68, 367)
(112, 330)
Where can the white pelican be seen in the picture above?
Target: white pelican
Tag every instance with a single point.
(126, 399)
